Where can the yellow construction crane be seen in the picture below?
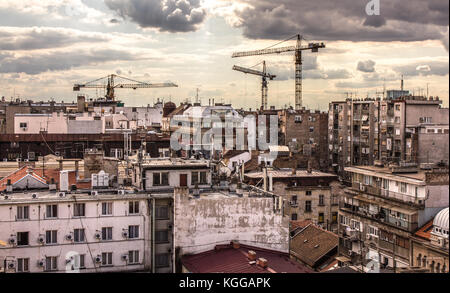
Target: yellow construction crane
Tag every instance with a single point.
(298, 48)
(264, 76)
(110, 84)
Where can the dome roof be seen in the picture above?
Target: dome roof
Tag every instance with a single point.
(441, 219)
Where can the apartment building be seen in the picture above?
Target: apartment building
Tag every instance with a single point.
(167, 173)
(308, 194)
(384, 207)
(407, 128)
(305, 132)
(60, 232)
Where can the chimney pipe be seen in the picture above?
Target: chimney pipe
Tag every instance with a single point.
(262, 262)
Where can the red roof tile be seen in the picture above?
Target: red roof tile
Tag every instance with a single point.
(226, 259)
(18, 175)
(425, 231)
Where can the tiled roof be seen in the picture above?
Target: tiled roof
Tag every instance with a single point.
(299, 224)
(42, 175)
(226, 259)
(312, 243)
(18, 175)
(425, 231)
(287, 173)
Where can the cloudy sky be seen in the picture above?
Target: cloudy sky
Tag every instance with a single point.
(48, 45)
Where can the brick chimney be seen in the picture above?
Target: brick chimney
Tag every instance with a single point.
(262, 262)
(235, 244)
(251, 255)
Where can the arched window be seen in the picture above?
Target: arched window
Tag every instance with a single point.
(419, 258)
(438, 267)
(424, 261)
(444, 267)
(432, 266)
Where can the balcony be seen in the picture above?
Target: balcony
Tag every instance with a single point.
(293, 204)
(391, 195)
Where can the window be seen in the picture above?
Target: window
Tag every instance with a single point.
(334, 217)
(79, 210)
(203, 178)
(294, 217)
(162, 236)
(133, 256)
(298, 118)
(161, 179)
(133, 231)
(106, 258)
(402, 242)
(397, 107)
(397, 119)
(107, 233)
(321, 218)
(294, 199)
(78, 235)
(107, 208)
(402, 187)
(161, 212)
(23, 125)
(133, 207)
(23, 265)
(194, 177)
(162, 260)
(373, 231)
(386, 184)
(51, 211)
(321, 200)
(311, 129)
(79, 262)
(23, 212)
(344, 220)
(355, 225)
(22, 238)
(51, 263)
(308, 192)
(51, 237)
(308, 206)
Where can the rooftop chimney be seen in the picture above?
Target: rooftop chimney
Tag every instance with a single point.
(251, 255)
(235, 244)
(262, 262)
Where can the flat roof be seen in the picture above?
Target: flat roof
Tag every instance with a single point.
(287, 173)
(416, 177)
(53, 196)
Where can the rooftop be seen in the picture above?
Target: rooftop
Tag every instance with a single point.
(287, 173)
(174, 162)
(311, 244)
(226, 259)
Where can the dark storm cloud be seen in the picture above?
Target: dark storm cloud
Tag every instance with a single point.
(399, 20)
(12, 38)
(423, 69)
(57, 61)
(165, 15)
(366, 66)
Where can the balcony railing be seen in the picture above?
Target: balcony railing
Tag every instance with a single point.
(373, 190)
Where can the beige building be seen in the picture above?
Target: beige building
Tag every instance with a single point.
(308, 195)
(429, 245)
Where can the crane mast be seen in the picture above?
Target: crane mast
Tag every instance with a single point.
(298, 48)
(264, 75)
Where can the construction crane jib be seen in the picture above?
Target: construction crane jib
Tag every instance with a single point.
(264, 75)
(298, 48)
(109, 83)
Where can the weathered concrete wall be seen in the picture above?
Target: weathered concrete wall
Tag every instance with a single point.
(201, 223)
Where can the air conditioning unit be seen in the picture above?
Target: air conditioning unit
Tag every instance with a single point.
(121, 192)
(124, 257)
(98, 259)
(41, 263)
(41, 239)
(94, 192)
(97, 235)
(69, 237)
(125, 234)
(62, 194)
